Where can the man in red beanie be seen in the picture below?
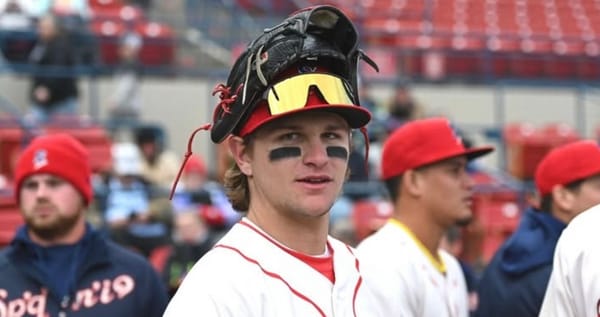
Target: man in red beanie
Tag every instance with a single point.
(57, 264)
(424, 166)
(568, 182)
(286, 113)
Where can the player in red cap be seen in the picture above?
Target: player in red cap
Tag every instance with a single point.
(568, 182)
(286, 113)
(424, 167)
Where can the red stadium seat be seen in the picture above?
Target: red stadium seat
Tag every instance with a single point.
(109, 34)
(11, 140)
(126, 13)
(499, 214)
(368, 216)
(466, 56)
(533, 58)
(567, 62)
(158, 48)
(103, 4)
(10, 219)
(386, 60)
(503, 50)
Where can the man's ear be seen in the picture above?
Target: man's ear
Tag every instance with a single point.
(562, 198)
(239, 152)
(412, 183)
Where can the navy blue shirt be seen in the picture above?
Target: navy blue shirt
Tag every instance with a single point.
(102, 279)
(515, 281)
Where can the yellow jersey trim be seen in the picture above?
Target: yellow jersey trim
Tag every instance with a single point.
(439, 265)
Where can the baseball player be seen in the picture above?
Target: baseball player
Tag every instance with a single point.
(574, 287)
(514, 282)
(424, 166)
(286, 114)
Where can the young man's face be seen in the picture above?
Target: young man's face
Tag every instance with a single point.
(449, 191)
(50, 205)
(299, 163)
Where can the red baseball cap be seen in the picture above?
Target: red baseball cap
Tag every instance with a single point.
(422, 142)
(566, 164)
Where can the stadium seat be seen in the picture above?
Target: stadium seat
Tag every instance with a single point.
(158, 48)
(109, 34)
(11, 140)
(10, 218)
(125, 13)
(369, 215)
(105, 4)
(499, 213)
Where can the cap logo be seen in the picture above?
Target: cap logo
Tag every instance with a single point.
(40, 159)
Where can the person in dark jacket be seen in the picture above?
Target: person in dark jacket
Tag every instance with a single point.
(54, 82)
(514, 282)
(57, 264)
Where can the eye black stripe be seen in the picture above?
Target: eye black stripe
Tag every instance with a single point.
(337, 152)
(284, 152)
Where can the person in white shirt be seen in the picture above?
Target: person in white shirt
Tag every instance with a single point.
(574, 287)
(424, 166)
(290, 141)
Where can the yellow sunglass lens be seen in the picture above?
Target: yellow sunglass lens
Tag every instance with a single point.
(292, 93)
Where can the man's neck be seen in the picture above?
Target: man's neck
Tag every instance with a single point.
(71, 237)
(306, 236)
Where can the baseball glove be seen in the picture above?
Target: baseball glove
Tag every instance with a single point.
(320, 33)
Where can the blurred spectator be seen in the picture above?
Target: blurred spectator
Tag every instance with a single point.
(343, 230)
(514, 282)
(159, 164)
(17, 36)
(128, 211)
(196, 191)
(74, 12)
(144, 4)
(16, 15)
(192, 238)
(358, 165)
(366, 100)
(124, 107)
(403, 108)
(57, 264)
(54, 83)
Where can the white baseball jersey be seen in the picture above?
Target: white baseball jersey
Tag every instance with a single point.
(248, 274)
(574, 287)
(405, 278)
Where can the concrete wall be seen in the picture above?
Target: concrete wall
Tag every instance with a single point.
(181, 105)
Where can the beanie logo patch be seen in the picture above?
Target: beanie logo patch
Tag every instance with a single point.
(40, 159)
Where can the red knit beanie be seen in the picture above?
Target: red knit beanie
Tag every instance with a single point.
(58, 154)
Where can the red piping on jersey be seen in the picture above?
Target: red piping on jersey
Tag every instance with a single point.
(274, 275)
(358, 284)
(242, 222)
(300, 256)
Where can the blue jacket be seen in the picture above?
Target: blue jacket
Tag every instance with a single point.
(107, 280)
(514, 282)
